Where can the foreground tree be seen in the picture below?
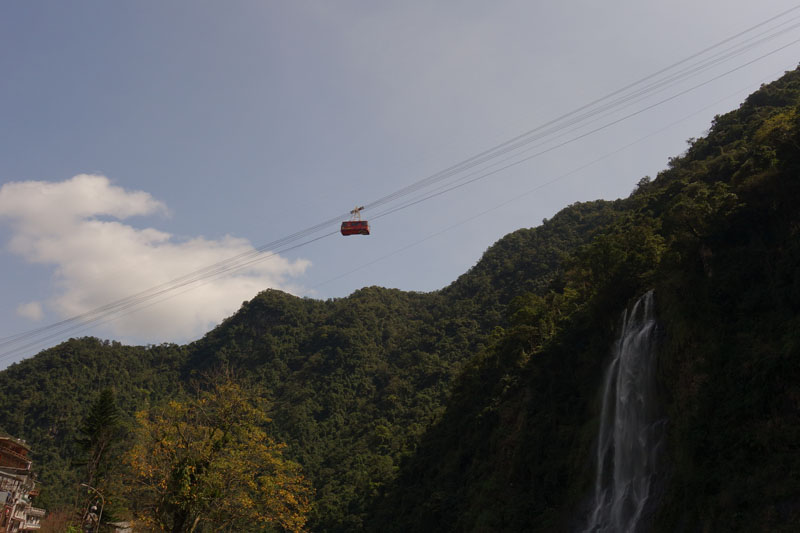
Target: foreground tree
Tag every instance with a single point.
(207, 464)
(100, 431)
(101, 442)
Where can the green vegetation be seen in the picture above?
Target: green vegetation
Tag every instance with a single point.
(474, 408)
(99, 432)
(716, 235)
(46, 400)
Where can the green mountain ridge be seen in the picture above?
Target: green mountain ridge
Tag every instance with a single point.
(372, 369)
(474, 408)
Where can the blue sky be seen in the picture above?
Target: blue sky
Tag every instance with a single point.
(142, 140)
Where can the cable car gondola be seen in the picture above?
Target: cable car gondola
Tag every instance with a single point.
(355, 226)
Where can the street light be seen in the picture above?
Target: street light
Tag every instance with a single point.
(102, 504)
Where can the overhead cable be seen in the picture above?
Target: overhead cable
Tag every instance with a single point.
(501, 156)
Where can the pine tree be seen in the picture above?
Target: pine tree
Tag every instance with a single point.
(99, 432)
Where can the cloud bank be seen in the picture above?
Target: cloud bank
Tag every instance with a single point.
(76, 226)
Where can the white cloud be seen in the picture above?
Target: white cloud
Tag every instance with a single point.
(31, 310)
(76, 226)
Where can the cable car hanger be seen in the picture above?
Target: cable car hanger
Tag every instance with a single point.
(355, 226)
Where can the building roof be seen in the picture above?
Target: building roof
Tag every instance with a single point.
(18, 442)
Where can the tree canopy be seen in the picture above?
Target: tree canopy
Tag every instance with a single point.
(207, 464)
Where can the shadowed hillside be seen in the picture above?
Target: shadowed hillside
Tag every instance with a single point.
(716, 235)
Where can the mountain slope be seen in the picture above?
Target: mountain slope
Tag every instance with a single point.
(353, 382)
(718, 237)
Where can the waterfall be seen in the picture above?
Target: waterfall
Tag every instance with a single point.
(629, 437)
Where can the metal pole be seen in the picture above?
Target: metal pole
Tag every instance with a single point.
(102, 504)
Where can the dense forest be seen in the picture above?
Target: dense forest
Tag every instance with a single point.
(475, 407)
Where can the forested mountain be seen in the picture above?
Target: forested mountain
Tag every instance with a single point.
(716, 236)
(353, 383)
(475, 408)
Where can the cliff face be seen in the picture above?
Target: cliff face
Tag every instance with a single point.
(475, 408)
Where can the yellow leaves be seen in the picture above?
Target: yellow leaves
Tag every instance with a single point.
(211, 457)
(779, 128)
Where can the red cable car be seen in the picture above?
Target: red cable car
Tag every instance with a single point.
(355, 226)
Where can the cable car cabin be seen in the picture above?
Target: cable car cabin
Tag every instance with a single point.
(355, 227)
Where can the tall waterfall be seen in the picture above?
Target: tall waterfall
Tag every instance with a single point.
(629, 436)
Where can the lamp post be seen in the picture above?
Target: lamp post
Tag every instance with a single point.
(102, 504)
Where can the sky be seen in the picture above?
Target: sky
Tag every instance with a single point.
(143, 141)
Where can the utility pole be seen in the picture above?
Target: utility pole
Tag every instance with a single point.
(102, 504)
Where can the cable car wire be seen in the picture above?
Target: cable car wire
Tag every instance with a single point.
(473, 162)
(534, 189)
(614, 102)
(231, 263)
(132, 307)
(574, 139)
(511, 143)
(449, 186)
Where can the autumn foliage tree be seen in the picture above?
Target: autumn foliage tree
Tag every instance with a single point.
(207, 464)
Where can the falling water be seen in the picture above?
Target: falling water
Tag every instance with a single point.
(629, 436)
